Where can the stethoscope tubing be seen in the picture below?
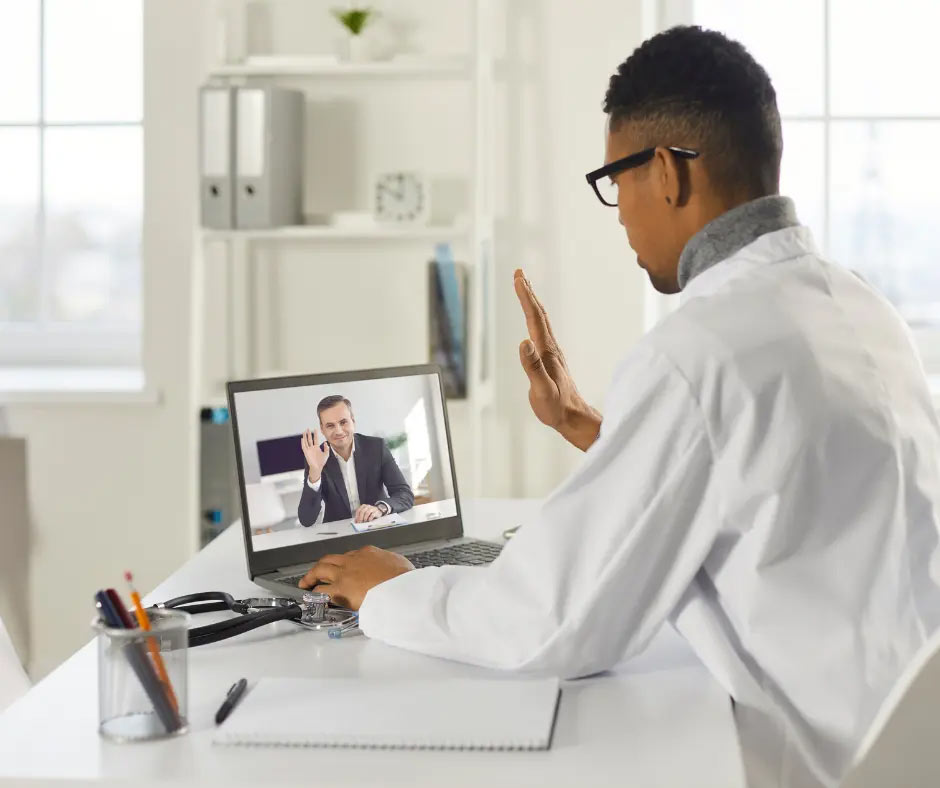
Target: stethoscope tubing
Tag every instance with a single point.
(221, 630)
(248, 619)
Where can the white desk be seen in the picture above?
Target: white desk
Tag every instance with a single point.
(336, 528)
(658, 720)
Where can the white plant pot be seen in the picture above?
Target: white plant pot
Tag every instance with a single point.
(356, 49)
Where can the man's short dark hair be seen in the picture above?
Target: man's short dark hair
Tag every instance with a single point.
(328, 402)
(699, 89)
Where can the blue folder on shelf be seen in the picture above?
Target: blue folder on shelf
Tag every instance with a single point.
(448, 320)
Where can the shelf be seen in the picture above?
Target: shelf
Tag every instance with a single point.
(475, 71)
(315, 232)
(430, 67)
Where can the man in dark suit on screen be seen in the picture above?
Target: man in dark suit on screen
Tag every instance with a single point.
(348, 476)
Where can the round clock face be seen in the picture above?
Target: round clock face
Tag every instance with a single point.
(399, 197)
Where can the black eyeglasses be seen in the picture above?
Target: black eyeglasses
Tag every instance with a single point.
(607, 191)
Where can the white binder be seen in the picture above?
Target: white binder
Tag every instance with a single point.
(269, 161)
(217, 157)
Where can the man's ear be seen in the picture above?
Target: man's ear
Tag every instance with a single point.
(672, 177)
(667, 176)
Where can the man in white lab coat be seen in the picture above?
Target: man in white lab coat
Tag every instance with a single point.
(764, 477)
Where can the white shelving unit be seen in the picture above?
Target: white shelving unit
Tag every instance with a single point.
(316, 232)
(425, 68)
(242, 247)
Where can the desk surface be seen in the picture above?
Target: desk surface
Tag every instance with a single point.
(337, 528)
(657, 720)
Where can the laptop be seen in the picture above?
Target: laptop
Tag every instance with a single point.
(388, 439)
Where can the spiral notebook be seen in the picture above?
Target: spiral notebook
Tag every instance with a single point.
(460, 714)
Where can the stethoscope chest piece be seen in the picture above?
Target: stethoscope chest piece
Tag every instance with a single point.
(317, 614)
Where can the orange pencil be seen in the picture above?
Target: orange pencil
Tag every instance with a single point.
(143, 621)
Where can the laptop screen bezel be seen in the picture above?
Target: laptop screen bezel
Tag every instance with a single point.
(263, 562)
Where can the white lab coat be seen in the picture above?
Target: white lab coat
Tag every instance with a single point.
(766, 479)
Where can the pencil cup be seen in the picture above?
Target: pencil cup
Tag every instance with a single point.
(142, 678)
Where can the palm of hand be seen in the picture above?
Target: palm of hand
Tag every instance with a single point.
(548, 403)
(320, 456)
(315, 455)
(552, 394)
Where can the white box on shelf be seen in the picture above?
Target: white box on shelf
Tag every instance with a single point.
(352, 219)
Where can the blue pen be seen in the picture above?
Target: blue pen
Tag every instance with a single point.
(347, 628)
(348, 632)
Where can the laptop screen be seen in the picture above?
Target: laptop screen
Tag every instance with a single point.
(339, 459)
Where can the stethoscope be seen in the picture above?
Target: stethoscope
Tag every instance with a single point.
(313, 611)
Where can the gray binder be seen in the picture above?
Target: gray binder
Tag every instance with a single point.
(217, 157)
(268, 157)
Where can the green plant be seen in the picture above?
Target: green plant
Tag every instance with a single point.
(354, 19)
(394, 441)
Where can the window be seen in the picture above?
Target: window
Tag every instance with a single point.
(860, 124)
(71, 191)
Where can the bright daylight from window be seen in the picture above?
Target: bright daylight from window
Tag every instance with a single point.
(72, 188)
(869, 192)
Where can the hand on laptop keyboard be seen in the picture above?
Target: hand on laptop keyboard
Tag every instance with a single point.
(467, 554)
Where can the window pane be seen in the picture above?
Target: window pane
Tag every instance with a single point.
(94, 60)
(94, 205)
(786, 41)
(882, 57)
(884, 209)
(19, 61)
(801, 172)
(19, 203)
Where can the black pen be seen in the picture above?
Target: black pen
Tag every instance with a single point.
(234, 695)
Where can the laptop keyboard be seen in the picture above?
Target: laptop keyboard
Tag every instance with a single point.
(466, 554)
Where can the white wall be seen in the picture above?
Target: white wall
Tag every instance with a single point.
(573, 249)
(111, 486)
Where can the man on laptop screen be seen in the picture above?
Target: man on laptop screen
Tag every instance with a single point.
(349, 475)
(374, 468)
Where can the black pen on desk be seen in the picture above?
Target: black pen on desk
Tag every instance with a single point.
(234, 695)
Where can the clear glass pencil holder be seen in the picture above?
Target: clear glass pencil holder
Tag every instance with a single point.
(142, 678)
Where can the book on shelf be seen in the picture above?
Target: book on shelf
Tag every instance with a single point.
(448, 284)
